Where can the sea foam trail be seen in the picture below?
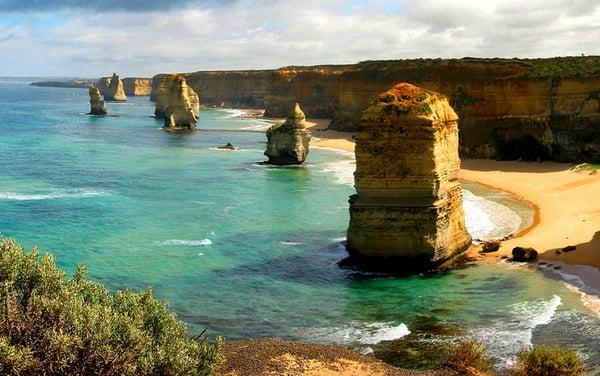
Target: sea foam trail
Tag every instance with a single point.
(69, 193)
(360, 333)
(185, 243)
(507, 337)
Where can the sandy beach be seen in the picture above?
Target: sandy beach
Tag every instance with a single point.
(566, 204)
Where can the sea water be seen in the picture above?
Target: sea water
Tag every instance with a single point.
(244, 249)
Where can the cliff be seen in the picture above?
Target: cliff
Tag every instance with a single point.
(78, 84)
(509, 108)
(134, 86)
(408, 206)
(287, 143)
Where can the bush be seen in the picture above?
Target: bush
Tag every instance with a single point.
(51, 324)
(468, 357)
(548, 361)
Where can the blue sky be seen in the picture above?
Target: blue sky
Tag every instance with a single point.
(144, 37)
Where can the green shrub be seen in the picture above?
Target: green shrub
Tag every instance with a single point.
(468, 357)
(51, 324)
(548, 361)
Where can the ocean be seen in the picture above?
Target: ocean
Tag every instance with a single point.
(248, 250)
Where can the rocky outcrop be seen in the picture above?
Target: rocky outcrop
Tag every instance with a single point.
(509, 108)
(97, 106)
(134, 86)
(408, 206)
(522, 254)
(287, 143)
(164, 93)
(112, 88)
(181, 112)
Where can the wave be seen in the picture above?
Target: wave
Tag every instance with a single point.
(343, 171)
(57, 194)
(290, 243)
(488, 220)
(233, 113)
(507, 337)
(360, 333)
(185, 243)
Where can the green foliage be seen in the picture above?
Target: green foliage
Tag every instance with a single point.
(548, 361)
(51, 324)
(468, 357)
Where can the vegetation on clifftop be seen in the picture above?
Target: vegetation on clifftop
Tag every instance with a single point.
(52, 324)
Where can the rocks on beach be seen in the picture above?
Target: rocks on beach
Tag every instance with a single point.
(288, 143)
(408, 205)
(97, 106)
(522, 254)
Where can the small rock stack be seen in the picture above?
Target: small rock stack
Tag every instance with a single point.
(181, 113)
(97, 106)
(114, 92)
(408, 205)
(287, 143)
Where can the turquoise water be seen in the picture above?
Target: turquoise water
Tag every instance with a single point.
(240, 248)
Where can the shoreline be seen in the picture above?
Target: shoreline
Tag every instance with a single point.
(566, 211)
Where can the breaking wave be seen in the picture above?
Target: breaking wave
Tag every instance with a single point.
(184, 243)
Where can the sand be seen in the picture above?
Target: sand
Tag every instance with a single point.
(567, 203)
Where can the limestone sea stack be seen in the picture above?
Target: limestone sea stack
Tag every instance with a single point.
(287, 143)
(114, 92)
(163, 95)
(97, 106)
(408, 206)
(181, 113)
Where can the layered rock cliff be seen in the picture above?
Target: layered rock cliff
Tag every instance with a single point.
(163, 94)
(510, 108)
(408, 205)
(97, 106)
(114, 91)
(181, 110)
(287, 143)
(135, 86)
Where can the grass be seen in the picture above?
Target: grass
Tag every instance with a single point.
(52, 324)
(548, 361)
(468, 357)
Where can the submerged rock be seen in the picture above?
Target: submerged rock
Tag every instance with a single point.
(180, 112)
(408, 208)
(163, 94)
(114, 91)
(227, 146)
(287, 143)
(97, 106)
(522, 254)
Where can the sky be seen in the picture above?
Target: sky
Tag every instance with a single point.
(144, 37)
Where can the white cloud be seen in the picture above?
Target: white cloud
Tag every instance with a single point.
(268, 34)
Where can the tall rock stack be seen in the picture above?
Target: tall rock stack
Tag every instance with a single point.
(287, 143)
(114, 92)
(408, 205)
(97, 106)
(180, 112)
(163, 95)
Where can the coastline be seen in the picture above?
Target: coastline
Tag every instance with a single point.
(565, 205)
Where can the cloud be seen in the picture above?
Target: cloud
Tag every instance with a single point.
(269, 34)
(100, 5)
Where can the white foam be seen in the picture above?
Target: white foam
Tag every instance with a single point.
(488, 220)
(259, 126)
(342, 170)
(290, 243)
(57, 194)
(186, 243)
(505, 338)
(233, 113)
(360, 333)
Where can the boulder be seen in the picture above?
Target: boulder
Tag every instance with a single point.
(227, 146)
(180, 112)
(522, 254)
(97, 106)
(489, 247)
(163, 93)
(408, 207)
(288, 143)
(115, 91)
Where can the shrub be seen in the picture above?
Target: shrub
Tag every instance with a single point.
(468, 357)
(548, 361)
(51, 324)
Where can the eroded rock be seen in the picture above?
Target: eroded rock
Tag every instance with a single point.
(523, 254)
(163, 94)
(408, 205)
(180, 112)
(114, 92)
(97, 106)
(288, 143)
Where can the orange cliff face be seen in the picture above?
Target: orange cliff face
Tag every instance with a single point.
(134, 86)
(509, 108)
